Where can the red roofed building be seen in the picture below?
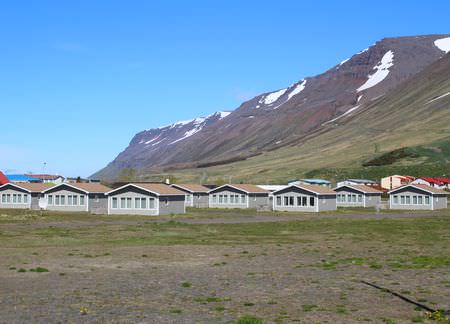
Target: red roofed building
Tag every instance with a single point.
(3, 179)
(440, 183)
(445, 181)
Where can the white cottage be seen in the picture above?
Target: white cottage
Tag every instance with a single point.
(418, 197)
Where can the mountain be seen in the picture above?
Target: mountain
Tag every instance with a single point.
(285, 118)
(160, 141)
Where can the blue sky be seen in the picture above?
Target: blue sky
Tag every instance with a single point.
(80, 78)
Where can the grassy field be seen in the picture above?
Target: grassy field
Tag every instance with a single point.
(83, 268)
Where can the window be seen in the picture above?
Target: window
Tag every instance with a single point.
(291, 201)
(408, 200)
(143, 203)
(419, 200)
(50, 199)
(304, 201)
(69, 200)
(278, 201)
(8, 198)
(128, 202)
(299, 201)
(3, 198)
(122, 202)
(63, 200)
(75, 200)
(225, 199)
(57, 200)
(286, 201)
(311, 201)
(14, 198)
(152, 203)
(353, 198)
(359, 198)
(137, 203)
(414, 200)
(395, 200)
(402, 200)
(25, 198)
(82, 200)
(427, 200)
(19, 198)
(220, 199)
(243, 199)
(114, 203)
(214, 199)
(232, 199)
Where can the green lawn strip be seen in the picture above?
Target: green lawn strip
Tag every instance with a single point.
(426, 231)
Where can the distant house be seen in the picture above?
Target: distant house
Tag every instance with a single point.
(76, 180)
(22, 178)
(440, 183)
(317, 182)
(48, 178)
(445, 182)
(150, 199)
(77, 197)
(417, 197)
(395, 181)
(196, 195)
(357, 196)
(304, 198)
(22, 195)
(356, 182)
(3, 179)
(239, 196)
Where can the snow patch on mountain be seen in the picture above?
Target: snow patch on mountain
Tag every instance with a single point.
(298, 88)
(363, 51)
(223, 114)
(344, 61)
(198, 126)
(159, 142)
(440, 97)
(272, 97)
(153, 139)
(443, 44)
(340, 116)
(382, 71)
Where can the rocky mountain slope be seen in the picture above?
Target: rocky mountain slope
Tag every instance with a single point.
(286, 117)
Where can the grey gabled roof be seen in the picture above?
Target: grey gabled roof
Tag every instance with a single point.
(431, 190)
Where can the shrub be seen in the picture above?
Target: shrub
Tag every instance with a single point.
(249, 320)
(39, 269)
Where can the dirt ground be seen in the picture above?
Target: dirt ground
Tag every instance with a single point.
(288, 272)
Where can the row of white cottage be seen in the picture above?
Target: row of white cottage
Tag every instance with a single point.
(162, 199)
